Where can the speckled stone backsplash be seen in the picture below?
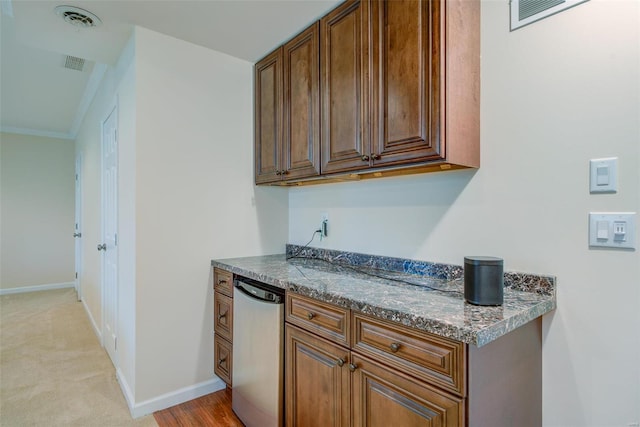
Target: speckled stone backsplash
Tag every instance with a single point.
(526, 282)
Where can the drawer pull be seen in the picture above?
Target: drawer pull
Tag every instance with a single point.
(221, 281)
(310, 315)
(220, 316)
(394, 346)
(340, 362)
(352, 367)
(221, 361)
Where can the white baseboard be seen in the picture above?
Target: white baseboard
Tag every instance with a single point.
(94, 325)
(35, 288)
(167, 400)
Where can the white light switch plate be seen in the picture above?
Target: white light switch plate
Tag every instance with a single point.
(603, 174)
(612, 230)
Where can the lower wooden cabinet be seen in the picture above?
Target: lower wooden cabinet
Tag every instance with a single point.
(326, 383)
(346, 368)
(223, 359)
(223, 324)
(384, 397)
(318, 383)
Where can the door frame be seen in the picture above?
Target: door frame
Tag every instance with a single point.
(78, 227)
(112, 111)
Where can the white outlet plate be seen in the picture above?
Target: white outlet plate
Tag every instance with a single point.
(324, 217)
(612, 230)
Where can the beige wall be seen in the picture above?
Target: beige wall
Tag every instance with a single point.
(195, 200)
(554, 95)
(37, 218)
(186, 196)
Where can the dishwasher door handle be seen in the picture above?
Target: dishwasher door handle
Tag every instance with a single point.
(260, 294)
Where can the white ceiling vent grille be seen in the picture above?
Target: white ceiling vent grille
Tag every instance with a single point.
(77, 17)
(525, 12)
(74, 63)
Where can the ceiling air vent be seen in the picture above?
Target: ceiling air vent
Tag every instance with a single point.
(74, 63)
(78, 17)
(525, 12)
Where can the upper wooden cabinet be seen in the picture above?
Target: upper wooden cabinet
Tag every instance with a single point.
(398, 86)
(287, 111)
(406, 81)
(268, 117)
(345, 87)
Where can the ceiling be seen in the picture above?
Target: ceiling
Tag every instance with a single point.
(39, 96)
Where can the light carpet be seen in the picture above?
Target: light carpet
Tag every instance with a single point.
(53, 371)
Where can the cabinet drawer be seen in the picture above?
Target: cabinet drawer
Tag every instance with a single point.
(223, 281)
(223, 315)
(327, 320)
(434, 359)
(223, 358)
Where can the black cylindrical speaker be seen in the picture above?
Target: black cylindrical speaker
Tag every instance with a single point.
(483, 280)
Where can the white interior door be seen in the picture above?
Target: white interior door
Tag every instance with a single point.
(109, 246)
(77, 231)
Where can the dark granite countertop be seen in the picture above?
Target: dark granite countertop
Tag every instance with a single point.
(422, 295)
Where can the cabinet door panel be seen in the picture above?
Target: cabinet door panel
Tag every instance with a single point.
(223, 313)
(223, 358)
(344, 60)
(407, 80)
(301, 152)
(317, 387)
(268, 117)
(383, 398)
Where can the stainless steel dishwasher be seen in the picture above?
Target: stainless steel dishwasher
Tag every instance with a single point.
(258, 325)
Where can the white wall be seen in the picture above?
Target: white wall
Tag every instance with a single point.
(554, 95)
(195, 200)
(37, 218)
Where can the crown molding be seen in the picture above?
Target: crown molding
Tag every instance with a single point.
(35, 132)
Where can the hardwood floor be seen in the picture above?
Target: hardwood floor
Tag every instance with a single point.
(211, 410)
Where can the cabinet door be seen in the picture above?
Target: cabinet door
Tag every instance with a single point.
(344, 61)
(223, 313)
(301, 149)
(268, 117)
(384, 397)
(407, 78)
(317, 381)
(223, 358)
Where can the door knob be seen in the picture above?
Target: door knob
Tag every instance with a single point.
(102, 247)
(77, 234)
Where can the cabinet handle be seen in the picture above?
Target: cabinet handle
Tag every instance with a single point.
(365, 158)
(284, 172)
(352, 367)
(375, 156)
(221, 361)
(340, 362)
(310, 315)
(221, 281)
(220, 316)
(394, 346)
